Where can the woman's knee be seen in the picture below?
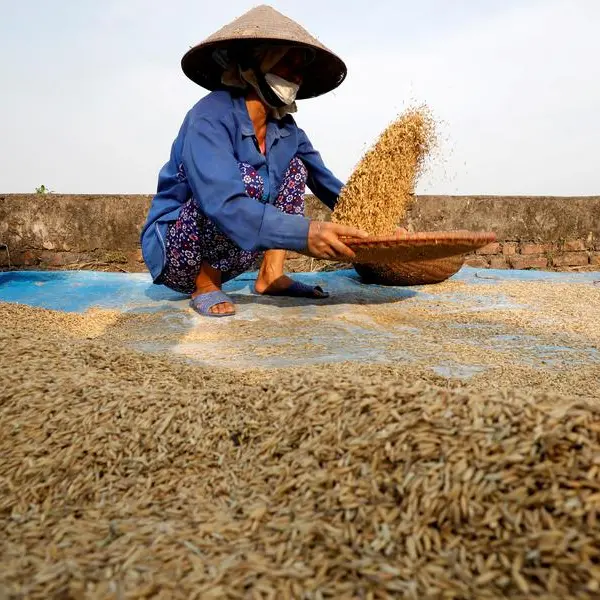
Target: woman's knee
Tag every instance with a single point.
(290, 198)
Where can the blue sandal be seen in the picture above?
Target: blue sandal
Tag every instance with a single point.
(301, 290)
(204, 302)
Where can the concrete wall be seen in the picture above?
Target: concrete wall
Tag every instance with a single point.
(54, 231)
(57, 230)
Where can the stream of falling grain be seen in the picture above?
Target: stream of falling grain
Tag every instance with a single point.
(381, 188)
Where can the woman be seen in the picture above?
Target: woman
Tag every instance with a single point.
(234, 184)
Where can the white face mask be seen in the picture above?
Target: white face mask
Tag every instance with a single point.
(286, 90)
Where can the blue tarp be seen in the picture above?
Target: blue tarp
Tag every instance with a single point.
(362, 323)
(77, 291)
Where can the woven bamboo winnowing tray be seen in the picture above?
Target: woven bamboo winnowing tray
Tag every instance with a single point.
(417, 246)
(415, 258)
(420, 272)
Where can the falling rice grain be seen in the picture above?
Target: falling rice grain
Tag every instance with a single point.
(381, 188)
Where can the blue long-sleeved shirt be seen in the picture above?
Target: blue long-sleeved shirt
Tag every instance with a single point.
(216, 134)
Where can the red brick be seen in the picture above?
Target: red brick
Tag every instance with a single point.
(528, 262)
(570, 259)
(498, 262)
(59, 259)
(509, 248)
(49, 258)
(476, 261)
(529, 249)
(574, 246)
(29, 258)
(135, 256)
(493, 248)
(595, 258)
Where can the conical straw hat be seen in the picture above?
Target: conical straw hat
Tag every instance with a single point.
(259, 25)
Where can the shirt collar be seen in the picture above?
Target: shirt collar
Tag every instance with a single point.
(278, 129)
(239, 107)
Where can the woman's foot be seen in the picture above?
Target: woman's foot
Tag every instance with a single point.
(274, 284)
(209, 280)
(271, 280)
(284, 286)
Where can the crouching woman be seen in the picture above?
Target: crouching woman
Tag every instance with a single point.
(233, 188)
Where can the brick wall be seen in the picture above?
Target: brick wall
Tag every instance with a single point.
(577, 254)
(69, 231)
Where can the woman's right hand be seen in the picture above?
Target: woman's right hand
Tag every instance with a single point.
(324, 240)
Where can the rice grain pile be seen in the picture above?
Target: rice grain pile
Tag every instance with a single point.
(380, 189)
(125, 475)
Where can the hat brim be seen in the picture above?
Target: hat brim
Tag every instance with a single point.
(324, 74)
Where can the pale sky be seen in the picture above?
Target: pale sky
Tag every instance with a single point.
(92, 93)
